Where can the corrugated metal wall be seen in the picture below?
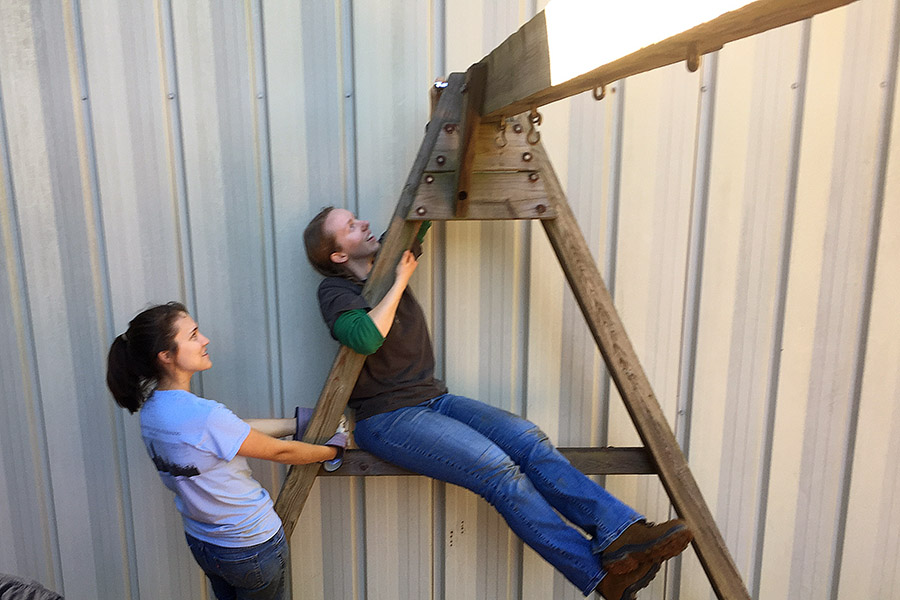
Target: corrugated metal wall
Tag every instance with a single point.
(747, 217)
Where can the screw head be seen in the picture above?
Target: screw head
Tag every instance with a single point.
(517, 128)
(440, 160)
(533, 177)
(421, 211)
(526, 156)
(429, 179)
(450, 127)
(540, 208)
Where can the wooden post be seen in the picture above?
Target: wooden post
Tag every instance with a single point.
(347, 365)
(634, 387)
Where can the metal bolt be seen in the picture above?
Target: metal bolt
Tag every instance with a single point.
(429, 179)
(450, 127)
(533, 177)
(526, 156)
(795, 85)
(517, 128)
(259, 95)
(440, 160)
(171, 95)
(541, 209)
(421, 211)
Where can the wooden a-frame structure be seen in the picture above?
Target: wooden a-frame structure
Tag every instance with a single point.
(482, 159)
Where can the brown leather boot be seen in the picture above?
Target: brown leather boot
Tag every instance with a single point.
(624, 587)
(645, 542)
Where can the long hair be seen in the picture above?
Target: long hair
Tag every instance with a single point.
(132, 367)
(320, 244)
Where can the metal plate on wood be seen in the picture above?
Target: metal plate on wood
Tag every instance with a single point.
(493, 196)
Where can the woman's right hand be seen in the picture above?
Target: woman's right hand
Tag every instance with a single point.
(406, 266)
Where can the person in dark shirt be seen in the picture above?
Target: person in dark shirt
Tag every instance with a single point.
(406, 416)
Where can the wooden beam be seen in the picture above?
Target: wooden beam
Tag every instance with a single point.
(491, 196)
(347, 365)
(521, 72)
(634, 387)
(468, 129)
(590, 461)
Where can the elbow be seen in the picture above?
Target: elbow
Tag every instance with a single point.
(367, 347)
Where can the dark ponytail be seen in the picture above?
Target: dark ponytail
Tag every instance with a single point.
(132, 370)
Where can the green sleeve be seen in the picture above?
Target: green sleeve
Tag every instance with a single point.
(358, 332)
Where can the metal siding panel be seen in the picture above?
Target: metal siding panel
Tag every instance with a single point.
(748, 208)
(869, 563)
(305, 103)
(830, 418)
(142, 254)
(486, 303)
(59, 248)
(26, 512)
(392, 71)
(825, 299)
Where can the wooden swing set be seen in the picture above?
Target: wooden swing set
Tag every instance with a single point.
(482, 159)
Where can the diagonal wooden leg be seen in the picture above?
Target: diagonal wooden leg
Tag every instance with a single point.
(347, 365)
(625, 369)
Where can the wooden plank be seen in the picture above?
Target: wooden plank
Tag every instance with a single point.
(519, 195)
(521, 70)
(634, 387)
(590, 461)
(347, 365)
(494, 150)
(474, 96)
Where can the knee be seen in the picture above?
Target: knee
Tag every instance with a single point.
(501, 478)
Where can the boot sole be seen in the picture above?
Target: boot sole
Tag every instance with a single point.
(631, 591)
(628, 558)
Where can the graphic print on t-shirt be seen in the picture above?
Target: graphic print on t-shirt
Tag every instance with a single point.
(172, 469)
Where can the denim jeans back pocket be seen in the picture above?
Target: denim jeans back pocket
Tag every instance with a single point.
(242, 572)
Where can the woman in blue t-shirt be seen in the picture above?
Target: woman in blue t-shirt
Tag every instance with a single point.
(200, 449)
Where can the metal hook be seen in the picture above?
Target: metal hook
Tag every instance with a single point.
(500, 140)
(602, 95)
(693, 58)
(535, 118)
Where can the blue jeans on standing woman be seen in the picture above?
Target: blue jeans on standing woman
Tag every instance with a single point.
(509, 462)
(248, 573)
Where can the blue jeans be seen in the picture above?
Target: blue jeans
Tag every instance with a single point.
(510, 463)
(248, 573)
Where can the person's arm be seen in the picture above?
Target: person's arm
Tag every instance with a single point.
(260, 445)
(277, 428)
(383, 312)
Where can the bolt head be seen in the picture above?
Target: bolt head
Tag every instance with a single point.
(429, 179)
(421, 211)
(526, 156)
(533, 177)
(517, 128)
(440, 159)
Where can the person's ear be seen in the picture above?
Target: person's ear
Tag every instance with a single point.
(165, 357)
(339, 257)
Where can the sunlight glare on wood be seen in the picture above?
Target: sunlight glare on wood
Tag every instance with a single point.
(585, 34)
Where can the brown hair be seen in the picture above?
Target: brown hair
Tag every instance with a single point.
(320, 244)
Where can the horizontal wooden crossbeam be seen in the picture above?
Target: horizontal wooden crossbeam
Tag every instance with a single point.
(576, 45)
(590, 461)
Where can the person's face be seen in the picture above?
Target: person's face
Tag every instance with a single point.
(191, 355)
(352, 236)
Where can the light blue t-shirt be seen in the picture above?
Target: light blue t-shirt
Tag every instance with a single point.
(194, 443)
